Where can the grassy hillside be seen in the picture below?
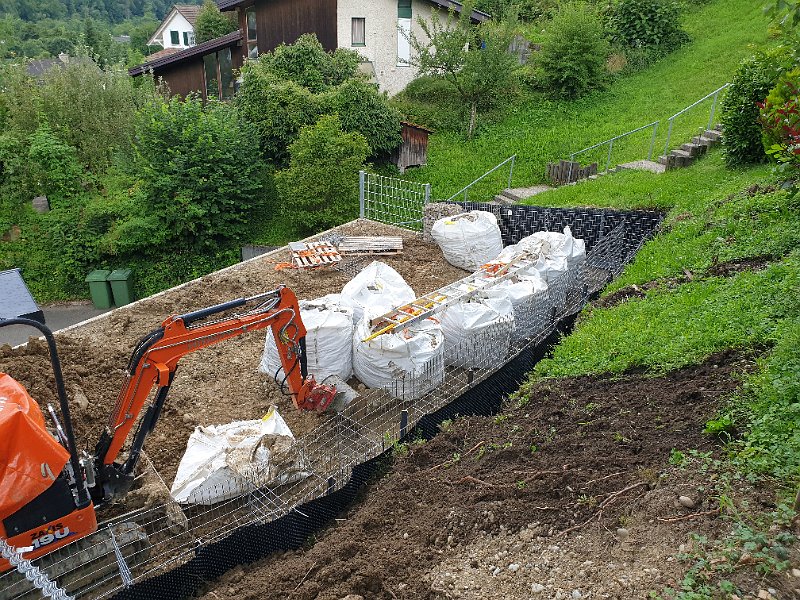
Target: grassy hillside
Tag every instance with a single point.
(541, 130)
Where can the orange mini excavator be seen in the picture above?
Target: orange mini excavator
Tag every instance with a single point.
(48, 491)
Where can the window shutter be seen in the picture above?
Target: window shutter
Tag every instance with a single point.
(403, 9)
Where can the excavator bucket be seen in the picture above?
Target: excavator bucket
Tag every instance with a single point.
(344, 393)
(30, 458)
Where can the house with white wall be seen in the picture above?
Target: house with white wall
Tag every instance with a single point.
(371, 27)
(379, 30)
(177, 28)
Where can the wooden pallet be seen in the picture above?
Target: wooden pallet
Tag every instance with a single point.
(379, 245)
(309, 255)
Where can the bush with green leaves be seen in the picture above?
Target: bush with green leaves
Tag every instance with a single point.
(211, 23)
(363, 109)
(305, 62)
(88, 108)
(201, 172)
(573, 58)
(753, 80)
(276, 107)
(646, 23)
(54, 167)
(320, 188)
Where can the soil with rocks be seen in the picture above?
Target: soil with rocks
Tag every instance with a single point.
(568, 495)
(218, 384)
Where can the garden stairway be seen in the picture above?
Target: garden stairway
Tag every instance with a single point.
(687, 153)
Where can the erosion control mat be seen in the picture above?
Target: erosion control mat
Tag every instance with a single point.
(221, 384)
(583, 451)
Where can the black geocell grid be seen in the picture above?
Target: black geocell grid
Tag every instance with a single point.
(345, 450)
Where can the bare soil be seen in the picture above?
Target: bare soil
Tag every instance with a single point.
(568, 496)
(216, 385)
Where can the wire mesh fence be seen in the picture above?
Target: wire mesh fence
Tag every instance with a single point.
(392, 200)
(170, 547)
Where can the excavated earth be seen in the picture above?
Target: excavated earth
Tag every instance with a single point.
(570, 495)
(216, 385)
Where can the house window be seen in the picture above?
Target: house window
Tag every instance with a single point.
(403, 33)
(403, 9)
(175, 38)
(218, 71)
(359, 32)
(185, 38)
(252, 33)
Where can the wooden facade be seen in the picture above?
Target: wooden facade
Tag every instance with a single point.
(283, 21)
(413, 151)
(185, 72)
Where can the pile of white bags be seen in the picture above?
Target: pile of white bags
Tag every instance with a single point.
(329, 327)
(407, 362)
(377, 287)
(468, 240)
(224, 461)
(477, 330)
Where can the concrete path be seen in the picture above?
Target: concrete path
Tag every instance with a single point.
(644, 165)
(56, 317)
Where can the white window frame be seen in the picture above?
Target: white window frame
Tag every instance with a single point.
(403, 43)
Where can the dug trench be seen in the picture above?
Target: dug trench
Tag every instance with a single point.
(567, 491)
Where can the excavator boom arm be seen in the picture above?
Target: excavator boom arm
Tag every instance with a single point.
(156, 357)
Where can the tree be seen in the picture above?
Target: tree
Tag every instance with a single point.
(211, 23)
(320, 187)
(473, 59)
(201, 172)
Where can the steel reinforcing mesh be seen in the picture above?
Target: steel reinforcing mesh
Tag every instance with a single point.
(265, 511)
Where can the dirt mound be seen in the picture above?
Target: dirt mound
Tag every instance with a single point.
(507, 506)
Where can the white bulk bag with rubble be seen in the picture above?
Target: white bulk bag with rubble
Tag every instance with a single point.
(379, 287)
(225, 461)
(329, 327)
(468, 240)
(557, 244)
(529, 299)
(407, 362)
(477, 330)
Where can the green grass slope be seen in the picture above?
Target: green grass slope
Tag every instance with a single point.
(541, 130)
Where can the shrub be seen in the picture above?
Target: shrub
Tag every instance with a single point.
(362, 108)
(750, 85)
(572, 61)
(305, 62)
(211, 23)
(276, 108)
(780, 120)
(646, 23)
(54, 167)
(202, 177)
(320, 187)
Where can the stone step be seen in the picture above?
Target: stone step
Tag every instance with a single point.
(693, 149)
(702, 140)
(682, 158)
(714, 134)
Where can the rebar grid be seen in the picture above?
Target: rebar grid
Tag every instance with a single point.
(364, 429)
(392, 200)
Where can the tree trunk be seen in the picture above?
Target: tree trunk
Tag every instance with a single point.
(472, 113)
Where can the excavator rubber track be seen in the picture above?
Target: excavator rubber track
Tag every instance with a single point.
(87, 565)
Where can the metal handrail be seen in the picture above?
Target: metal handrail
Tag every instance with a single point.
(489, 172)
(671, 120)
(611, 141)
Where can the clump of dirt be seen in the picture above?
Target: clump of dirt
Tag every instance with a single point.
(567, 495)
(218, 384)
(732, 267)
